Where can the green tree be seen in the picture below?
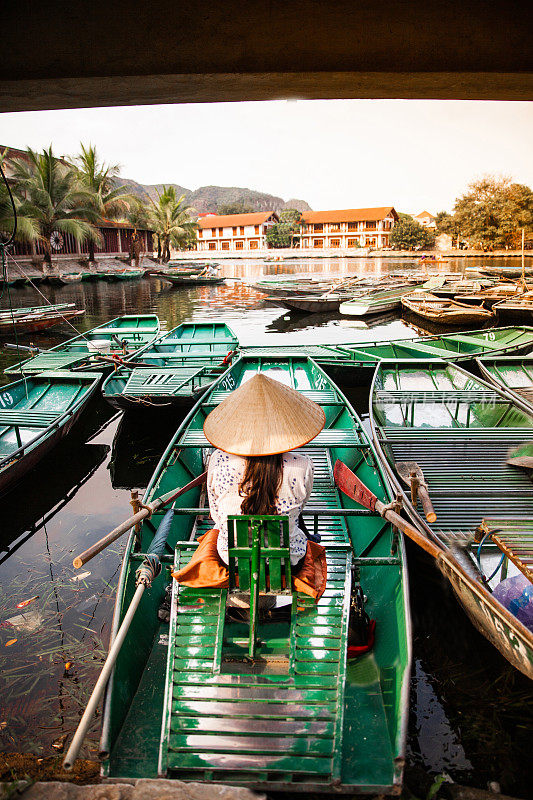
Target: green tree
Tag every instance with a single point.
(27, 228)
(171, 221)
(408, 234)
(290, 215)
(109, 200)
(281, 234)
(493, 211)
(52, 195)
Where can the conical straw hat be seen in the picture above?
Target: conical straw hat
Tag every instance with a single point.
(263, 417)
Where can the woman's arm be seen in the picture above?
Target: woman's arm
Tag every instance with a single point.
(211, 490)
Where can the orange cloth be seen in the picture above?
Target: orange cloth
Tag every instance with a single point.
(207, 569)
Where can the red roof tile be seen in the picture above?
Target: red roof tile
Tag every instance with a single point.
(349, 215)
(233, 220)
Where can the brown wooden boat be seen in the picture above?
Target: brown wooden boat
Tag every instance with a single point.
(444, 311)
(35, 322)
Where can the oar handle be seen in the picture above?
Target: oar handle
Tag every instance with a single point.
(408, 530)
(96, 548)
(125, 526)
(10, 346)
(103, 678)
(427, 505)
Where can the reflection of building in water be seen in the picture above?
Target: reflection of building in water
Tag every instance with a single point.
(235, 231)
(348, 228)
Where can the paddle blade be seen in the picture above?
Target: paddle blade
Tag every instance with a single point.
(157, 546)
(521, 456)
(351, 486)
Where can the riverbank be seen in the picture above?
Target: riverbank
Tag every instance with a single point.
(289, 254)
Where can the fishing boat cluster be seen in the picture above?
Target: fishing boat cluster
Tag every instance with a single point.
(445, 299)
(448, 462)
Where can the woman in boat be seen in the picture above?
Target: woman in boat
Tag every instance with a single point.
(253, 471)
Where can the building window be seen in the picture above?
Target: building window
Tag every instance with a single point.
(318, 228)
(352, 226)
(212, 245)
(225, 245)
(200, 234)
(335, 226)
(254, 244)
(335, 243)
(234, 231)
(371, 226)
(318, 242)
(221, 231)
(241, 230)
(213, 231)
(352, 242)
(256, 230)
(386, 224)
(239, 245)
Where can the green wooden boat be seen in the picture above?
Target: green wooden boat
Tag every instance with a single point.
(376, 302)
(458, 430)
(192, 280)
(513, 374)
(121, 275)
(300, 716)
(35, 414)
(120, 337)
(175, 370)
(456, 347)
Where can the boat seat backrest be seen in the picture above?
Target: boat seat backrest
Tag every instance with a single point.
(259, 554)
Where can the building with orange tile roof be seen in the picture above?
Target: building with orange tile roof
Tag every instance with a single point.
(234, 232)
(348, 228)
(426, 219)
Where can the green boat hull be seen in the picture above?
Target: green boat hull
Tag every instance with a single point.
(459, 431)
(175, 370)
(36, 413)
(309, 719)
(512, 374)
(121, 336)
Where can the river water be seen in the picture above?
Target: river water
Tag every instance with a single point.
(470, 712)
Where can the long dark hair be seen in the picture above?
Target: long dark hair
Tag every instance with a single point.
(261, 483)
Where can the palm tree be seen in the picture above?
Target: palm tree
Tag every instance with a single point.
(27, 229)
(110, 200)
(52, 196)
(171, 221)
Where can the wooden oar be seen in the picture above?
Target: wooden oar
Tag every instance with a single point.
(351, 486)
(149, 569)
(147, 511)
(412, 475)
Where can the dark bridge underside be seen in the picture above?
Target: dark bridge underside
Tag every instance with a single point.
(69, 54)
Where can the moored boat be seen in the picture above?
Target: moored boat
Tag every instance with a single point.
(457, 430)
(302, 716)
(443, 311)
(175, 370)
(121, 275)
(34, 321)
(192, 280)
(455, 347)
(375, 302)
(513, 374)
(96, 349)
(519, 307)
(35, 414)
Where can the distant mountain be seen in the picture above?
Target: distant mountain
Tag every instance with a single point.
(210, 198)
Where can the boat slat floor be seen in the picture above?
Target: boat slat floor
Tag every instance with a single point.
(265, 724)
(27, 418)
(467, 473)
(165, 381)
(48, 361)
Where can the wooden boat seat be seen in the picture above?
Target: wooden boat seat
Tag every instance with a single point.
(322, 397)
(439, 352)
(486, 343)
(163, 381)
(121, 331)
(27, 418)
(394, 396)
(191, 342)
(326, 438)
(49, 361)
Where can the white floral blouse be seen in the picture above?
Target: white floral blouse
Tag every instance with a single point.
(224, 474)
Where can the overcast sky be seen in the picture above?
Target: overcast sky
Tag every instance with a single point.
(413, 154)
